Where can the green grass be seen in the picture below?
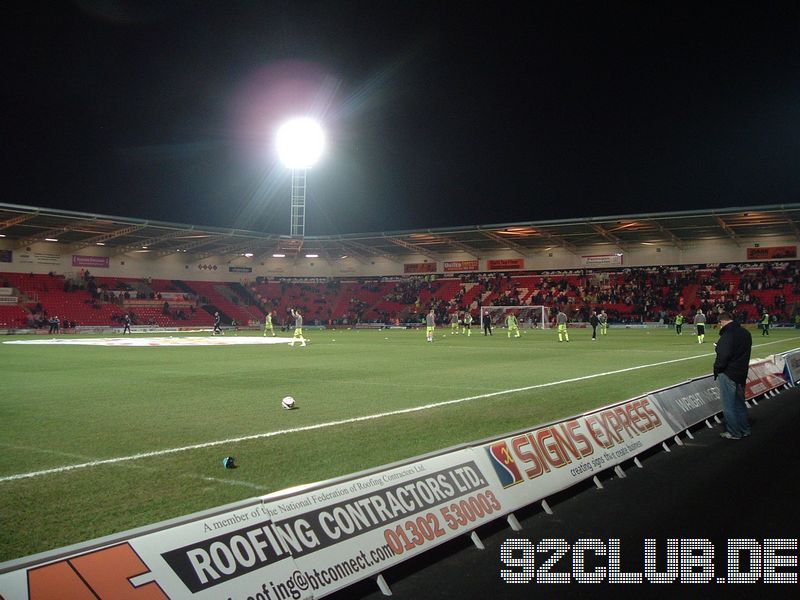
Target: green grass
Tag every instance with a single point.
(71, 404)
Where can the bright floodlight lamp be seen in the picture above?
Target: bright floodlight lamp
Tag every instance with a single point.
(300, 144)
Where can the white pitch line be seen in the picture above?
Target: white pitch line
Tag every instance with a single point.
(402, 411)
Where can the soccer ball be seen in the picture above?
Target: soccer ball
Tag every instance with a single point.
(288, 403)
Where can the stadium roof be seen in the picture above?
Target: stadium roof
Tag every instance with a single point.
(25, 225)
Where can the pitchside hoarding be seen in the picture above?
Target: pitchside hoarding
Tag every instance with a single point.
(763, 376)
(689, 403)
(313, 542)
(305, 545)
(792, 366)
(532, 465)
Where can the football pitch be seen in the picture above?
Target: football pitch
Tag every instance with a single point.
(99, 439)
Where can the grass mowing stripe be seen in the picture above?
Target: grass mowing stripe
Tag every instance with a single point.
(95, 463)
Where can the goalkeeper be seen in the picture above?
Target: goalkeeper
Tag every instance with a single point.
(603, 318)
(512, 326)
(561, 321)
(467, 323)
(268, 324)
(298, 328)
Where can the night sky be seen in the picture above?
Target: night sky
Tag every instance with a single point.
(438, 114)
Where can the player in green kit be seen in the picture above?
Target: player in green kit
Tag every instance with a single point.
(512, 325)
(268, 324)
(430, 323)
(678, 323)
(603, 318)
(467, 323)
(454, 323)
(764, 323)
(298, 328)
(561, 321)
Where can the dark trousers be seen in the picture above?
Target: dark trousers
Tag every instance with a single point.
(594, 332)
(487, 330)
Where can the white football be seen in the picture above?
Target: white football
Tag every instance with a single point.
(288, 403)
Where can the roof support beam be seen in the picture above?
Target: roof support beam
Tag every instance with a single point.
(290, 246)
(150, 242)
(101, 239)
(558, 241)
(727, 229)
(16, 220)
(460, 245)
(214, 239)
(363, 248)
(229, 249)
(508, 243)
(40, 237)
(609, 236)
(676, 241)
(413, 247)
(792, 225)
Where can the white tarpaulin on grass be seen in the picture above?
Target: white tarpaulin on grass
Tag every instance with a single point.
(159, 341)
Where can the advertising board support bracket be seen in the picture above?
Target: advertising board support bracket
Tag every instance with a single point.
(747, 404)
(620, 473)
(665, 447)
(688, 434)
(754, 401)
(637, 463)
(717, 419)
(709, 425)
(678, 440)
(477, 540)
(597, 482)
(384, 587)
(546, 507)
(513, 522)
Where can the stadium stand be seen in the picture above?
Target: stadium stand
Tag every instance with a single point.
(628, 296)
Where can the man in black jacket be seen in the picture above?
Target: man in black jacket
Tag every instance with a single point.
(730, 371)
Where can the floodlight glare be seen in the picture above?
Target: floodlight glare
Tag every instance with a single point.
(300, 143)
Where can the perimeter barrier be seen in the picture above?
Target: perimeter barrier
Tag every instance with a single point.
(312, 541)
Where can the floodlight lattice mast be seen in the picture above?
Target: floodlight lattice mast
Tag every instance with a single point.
(298, 208)
(300, 143)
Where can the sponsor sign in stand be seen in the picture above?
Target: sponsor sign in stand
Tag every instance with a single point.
(312, 542)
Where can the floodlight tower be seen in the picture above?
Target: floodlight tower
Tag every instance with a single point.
(300, 144)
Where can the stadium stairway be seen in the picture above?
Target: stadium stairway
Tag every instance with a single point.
(709, 488)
